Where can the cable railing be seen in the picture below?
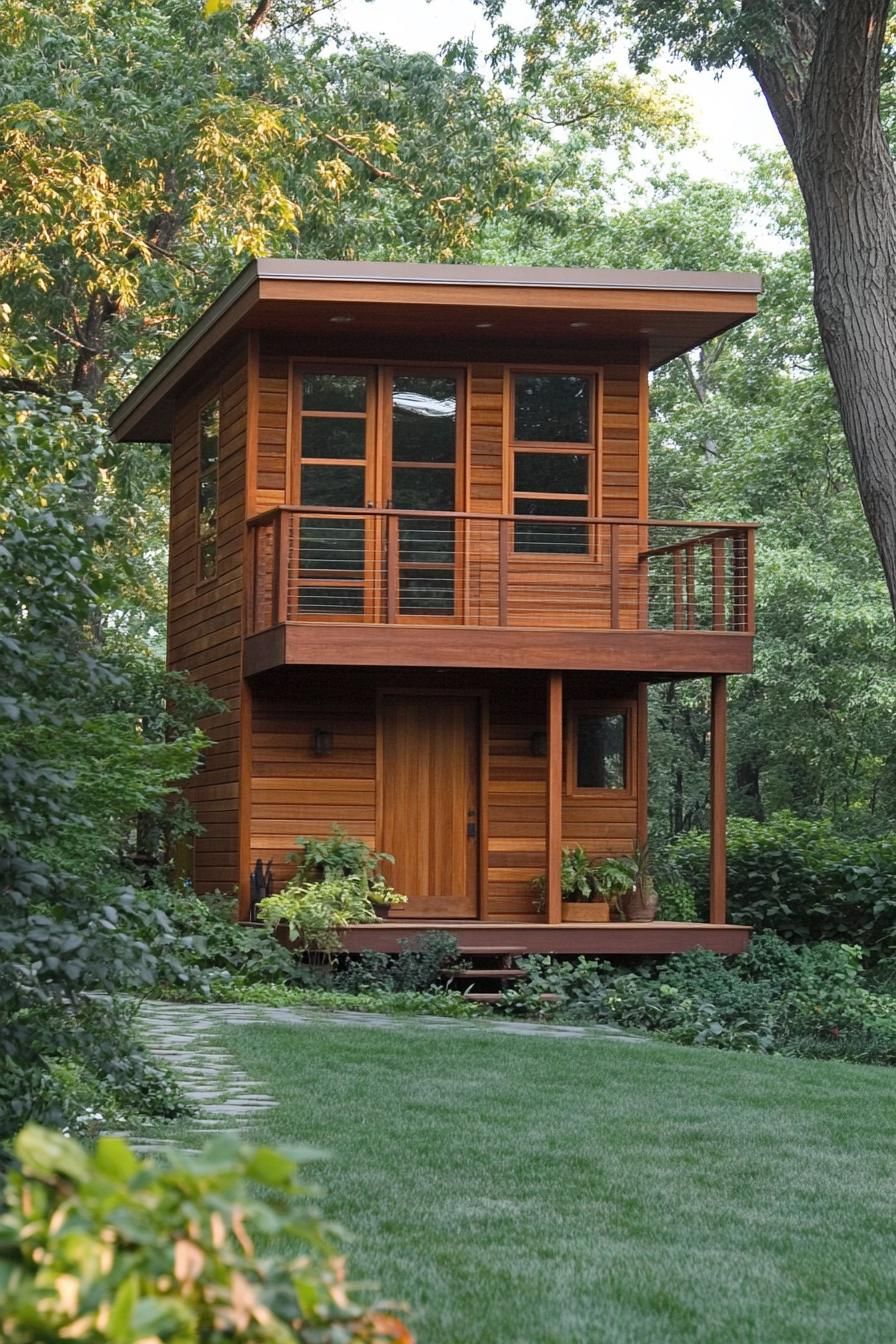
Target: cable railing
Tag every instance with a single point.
(318, 564)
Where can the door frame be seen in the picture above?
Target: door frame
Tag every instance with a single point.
(482, 698)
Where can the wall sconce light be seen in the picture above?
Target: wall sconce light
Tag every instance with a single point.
(322, 741)
(538, 744)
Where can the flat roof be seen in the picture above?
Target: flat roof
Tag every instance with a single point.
(684, 308)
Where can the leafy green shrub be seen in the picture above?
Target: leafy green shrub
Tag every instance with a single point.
(210, 943)
(108, 1248)
(815, 1001)
(677, 901)
(314, 912)
(418, 965)
(798, 879)
(435, 1002)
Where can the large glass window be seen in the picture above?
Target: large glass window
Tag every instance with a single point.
(209, 447)
(553, 460)
(424, 472)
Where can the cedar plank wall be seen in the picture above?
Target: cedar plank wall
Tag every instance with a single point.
(295, 792)
(205, 622)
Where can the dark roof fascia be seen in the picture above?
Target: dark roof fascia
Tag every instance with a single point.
(513, 277)
(408, 273)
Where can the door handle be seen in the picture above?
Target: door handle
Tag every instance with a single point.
(471, 825)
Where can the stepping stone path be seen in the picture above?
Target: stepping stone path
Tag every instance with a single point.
(226, 1100)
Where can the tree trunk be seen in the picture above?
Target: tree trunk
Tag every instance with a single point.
(88, 375)
(821, 80)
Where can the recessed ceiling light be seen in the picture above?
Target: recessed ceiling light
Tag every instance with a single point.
(482, 325)
(580, 324)
(342, 317)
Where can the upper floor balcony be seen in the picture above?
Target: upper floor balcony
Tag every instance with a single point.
(405, 587)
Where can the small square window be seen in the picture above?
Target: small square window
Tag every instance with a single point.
(600, 748)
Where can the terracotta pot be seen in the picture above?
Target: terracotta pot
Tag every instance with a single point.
(585, 912)
(640, 905)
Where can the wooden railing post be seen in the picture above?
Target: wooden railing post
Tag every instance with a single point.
(391, 569)
(750, 581)
(690, 569)
(251, 579)
(503, 568)
(718, 583)
(677, 592)
(554, 799)
(279, 566)
(717, 800)
(614, 576)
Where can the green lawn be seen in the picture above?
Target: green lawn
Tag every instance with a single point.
(541, 1191)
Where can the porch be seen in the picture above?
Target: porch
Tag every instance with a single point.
(476, 783)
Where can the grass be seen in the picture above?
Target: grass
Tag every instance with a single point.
(529, 1190)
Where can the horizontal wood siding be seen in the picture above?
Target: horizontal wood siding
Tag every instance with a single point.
(295, 792)
(273, 418)
(205, 620)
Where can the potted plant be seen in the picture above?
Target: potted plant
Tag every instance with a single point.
(338, 855)
(382, 897)
(640, 902)
(614, 878)
(314, 912)
(583, 900)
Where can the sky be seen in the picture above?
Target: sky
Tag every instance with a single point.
(728, 111)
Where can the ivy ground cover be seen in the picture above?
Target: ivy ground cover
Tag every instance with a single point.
(535, 1190)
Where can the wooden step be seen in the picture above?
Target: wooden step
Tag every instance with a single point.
(489, 973)
(498, 998)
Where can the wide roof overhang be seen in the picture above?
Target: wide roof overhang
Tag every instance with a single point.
(478, 309)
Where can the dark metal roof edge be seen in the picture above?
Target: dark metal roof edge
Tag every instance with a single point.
(535, 277)
(412, 273)
(171, 358)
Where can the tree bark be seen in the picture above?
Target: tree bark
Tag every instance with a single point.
(88, 375)
(820, 74)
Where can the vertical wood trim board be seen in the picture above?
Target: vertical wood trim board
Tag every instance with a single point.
(205, 622)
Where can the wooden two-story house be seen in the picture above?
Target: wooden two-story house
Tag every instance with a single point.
(412, 551)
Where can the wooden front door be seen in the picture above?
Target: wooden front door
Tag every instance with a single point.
(429, 799)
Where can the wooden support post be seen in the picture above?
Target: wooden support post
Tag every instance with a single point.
(503, 566)
(391, 568)
(554, 798)
(717, 800)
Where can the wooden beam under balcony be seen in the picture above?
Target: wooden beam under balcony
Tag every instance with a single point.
(663, 653)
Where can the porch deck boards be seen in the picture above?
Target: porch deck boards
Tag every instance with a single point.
(659, 938)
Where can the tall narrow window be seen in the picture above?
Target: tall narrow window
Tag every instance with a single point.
(209, 434)
(553, 469)
(333, 427)
(424, 476)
